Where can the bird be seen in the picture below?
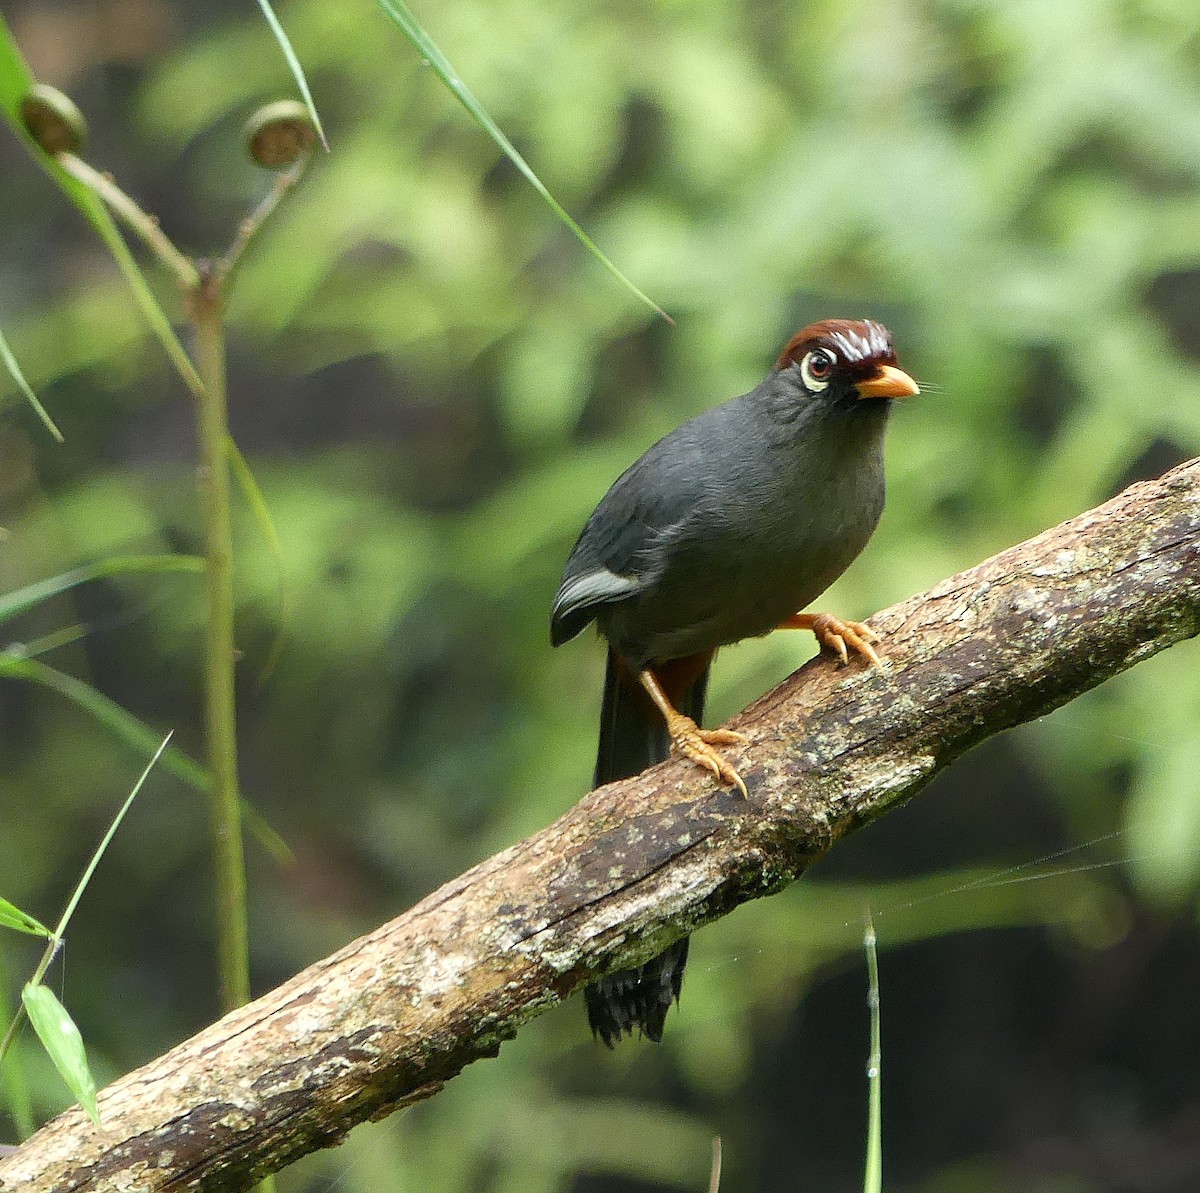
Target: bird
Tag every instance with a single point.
(727, 528)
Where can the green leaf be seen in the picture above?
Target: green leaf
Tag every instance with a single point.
(15, 82)
(267, 836)
(403, 17)
(12, 916)
(112, 716)
(63, 1043)
(63, 636)
(24, 387)
(18, 601)
(293, 62)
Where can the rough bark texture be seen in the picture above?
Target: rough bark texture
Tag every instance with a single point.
(389, 1018)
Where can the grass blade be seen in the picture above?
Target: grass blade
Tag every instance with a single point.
(63, 1043)
(13, 917)
(873, 1174)
(297, 70)
(86, 877)
(12, 603)
(15, 82)
(424, 45)
(15, 369)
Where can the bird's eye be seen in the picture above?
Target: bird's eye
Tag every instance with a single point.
(816, 369)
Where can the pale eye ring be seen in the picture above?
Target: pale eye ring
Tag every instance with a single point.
(815, 369)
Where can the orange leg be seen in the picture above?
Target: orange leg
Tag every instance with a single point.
(689, 739)
(837, 634)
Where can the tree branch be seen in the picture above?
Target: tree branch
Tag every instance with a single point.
(389, 1018)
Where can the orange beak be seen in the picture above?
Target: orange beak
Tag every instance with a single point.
(889, 382)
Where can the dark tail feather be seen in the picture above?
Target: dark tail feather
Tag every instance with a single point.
(634, 736)
(637, 999)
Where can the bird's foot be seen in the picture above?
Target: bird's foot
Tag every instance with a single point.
(838, 635)
(700, 745)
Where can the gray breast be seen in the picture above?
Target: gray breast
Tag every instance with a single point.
(764, 542)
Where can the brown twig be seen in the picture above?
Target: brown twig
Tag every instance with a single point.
(393, 1015)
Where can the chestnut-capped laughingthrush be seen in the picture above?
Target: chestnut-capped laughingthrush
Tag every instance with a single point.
(725, 529)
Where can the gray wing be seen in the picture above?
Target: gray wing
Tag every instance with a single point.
(622, 549)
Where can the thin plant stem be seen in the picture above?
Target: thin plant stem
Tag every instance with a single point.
(873, 1173)
(233, 965)
(19, 1101)
(255, 220)
(141, 223)
(714, 1173)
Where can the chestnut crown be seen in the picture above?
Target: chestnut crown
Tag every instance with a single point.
(857, 352)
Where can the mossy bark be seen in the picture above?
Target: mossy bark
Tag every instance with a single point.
(392, 1016)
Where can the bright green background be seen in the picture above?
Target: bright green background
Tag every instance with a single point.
(434, 385)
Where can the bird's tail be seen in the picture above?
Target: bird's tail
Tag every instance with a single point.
(634, 736)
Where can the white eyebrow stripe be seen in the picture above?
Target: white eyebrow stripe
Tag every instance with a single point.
(855, 346)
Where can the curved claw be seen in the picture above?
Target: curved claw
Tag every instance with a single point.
(700, 746)
(837, 635)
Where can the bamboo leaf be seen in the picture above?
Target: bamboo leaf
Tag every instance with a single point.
(15, 83)
(13, 917)
(12, 603)
(424, 45)
(15, 369)
(63, 1043)
(138, 736)
(55, 1028)
(297, 70)
(112, 716)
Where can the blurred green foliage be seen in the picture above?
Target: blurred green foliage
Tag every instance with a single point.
(434, 385)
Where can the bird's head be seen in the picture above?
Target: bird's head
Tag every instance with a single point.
(846, 360)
